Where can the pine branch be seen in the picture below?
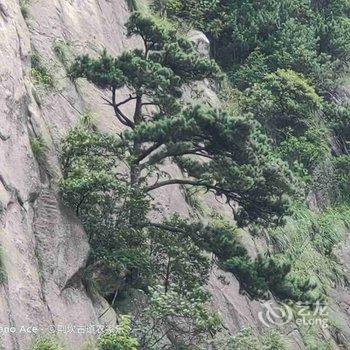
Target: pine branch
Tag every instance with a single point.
(193, 151)
(219, 190)
(126, 101)
(165, 227)
(119, 114)
(148, 151)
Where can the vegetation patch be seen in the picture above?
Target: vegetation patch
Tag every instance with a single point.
(39, 149)
(308, 242)
(107, 177)
(287, 62)
(2, 266)
(47, 344)
(63, 51)
(119, 339)
(247, 340)
(341, 165)
(40, 73)
(24, 6)
(314, 339)
(184, 315)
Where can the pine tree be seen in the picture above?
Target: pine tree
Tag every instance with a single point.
(218, 152)
(112, 180)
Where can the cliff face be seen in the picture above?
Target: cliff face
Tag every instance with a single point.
(44, 247)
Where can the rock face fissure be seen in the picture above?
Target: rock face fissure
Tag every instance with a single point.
(43, 223)
(45, 247)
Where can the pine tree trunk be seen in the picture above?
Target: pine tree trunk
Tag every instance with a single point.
(135, 172)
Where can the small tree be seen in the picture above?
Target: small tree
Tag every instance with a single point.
(288, 107)
(175, 321)
(119, 339)
(284, 102)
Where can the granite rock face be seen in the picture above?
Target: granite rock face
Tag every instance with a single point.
(44, 246)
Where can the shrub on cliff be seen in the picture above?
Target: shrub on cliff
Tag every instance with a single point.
(47, 344)
(119, 339)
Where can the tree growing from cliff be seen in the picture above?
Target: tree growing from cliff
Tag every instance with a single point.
(113, 180)
(218, 152)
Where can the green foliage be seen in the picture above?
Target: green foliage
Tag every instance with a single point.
(284, 103)
(285, 59)
(184, 316)
(254, 275)
(103, 71)
(309, 150)
(2, 267)
(119, 339)
(288, 107)
(90, 344)
(246, 340)
(110, 180)
(271, 274)
(314, 339)
(166, 6)
(102, 201)
(338, 117)
(307, 242)
(274, 340)
(46, 344)
(259, 277)
(62, 50)
(251, 72)
(133, 5)
(342, 174)
(38, 148)
(24, 6)
(242, 167)
(219, 238)
(155, 77)
(172, 251)
(308, 42)
(157, 73)
(172, 7)
(40, 73)
(311, 39)
(177, 257)
(303, 266)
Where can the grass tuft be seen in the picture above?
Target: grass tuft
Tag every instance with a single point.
(40, 73)
(24, 6)
(2, 267)
(38, 148)
(308, 241)
(62, 51)
(46, 344)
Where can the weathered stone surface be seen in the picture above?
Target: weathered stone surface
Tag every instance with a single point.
(201, 42)
(44, 246)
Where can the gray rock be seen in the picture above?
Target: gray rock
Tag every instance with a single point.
(201, 42)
